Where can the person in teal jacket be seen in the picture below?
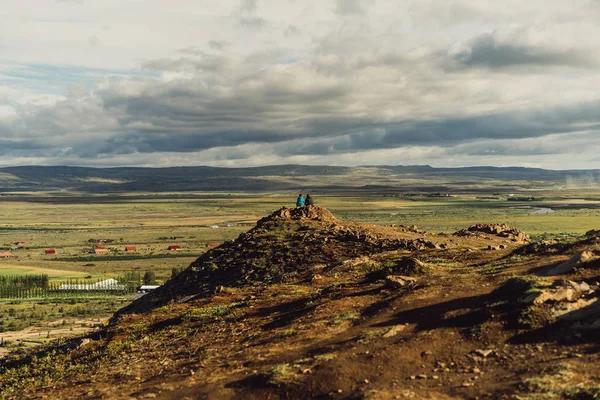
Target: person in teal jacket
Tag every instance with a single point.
(300, 201)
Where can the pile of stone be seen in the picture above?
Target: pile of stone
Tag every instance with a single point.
(501, 230)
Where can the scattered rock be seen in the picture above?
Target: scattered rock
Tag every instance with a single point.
(501, 230)
(483, 353)
(396, 329)
(399, 281)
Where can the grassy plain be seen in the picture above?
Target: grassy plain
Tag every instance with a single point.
(152, 223)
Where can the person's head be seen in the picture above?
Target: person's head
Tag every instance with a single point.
(307, 195)
(300, 195)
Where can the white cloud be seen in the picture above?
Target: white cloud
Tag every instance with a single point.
(250, 82)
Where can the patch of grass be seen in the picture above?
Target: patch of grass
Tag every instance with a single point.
(279, 370)
(345, 317)
(369, 335)
(287, 333)
(558, 382)
(199, 314)
(408, 266)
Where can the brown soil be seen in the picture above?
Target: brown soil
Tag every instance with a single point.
(322, 323)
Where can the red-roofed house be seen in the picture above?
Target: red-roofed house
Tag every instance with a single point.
(130, 248)
(50, 251)
(212, 244)
(174, 247)
(101, 251)
(5, 255)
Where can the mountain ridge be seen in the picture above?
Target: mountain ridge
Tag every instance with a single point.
(277, 177)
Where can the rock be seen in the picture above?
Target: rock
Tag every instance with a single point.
(483, 353)
(315, 277)
(394, 331)
(422, 376)
(399, 281)
(566, 266)
(561, 291)
(576, 311)
(595, 324)
(502, 230)
(219, 289)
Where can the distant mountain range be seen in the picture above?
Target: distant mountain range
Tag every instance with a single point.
(285, 177)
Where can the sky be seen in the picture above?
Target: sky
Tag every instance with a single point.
(240, 83)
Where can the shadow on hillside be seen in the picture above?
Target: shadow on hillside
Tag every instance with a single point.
(434, 315)
(288, 312)
(292, 310)
(544, 269)
(565, 331)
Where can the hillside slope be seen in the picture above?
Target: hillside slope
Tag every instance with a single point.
(307, 306)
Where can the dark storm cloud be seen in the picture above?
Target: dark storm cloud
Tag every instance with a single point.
(350, 97)
(449, 132)
(485, 51)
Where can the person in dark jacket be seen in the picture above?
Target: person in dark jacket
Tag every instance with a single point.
(300, 201)
(309, 200)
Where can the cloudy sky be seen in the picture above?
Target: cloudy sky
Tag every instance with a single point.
(261, 82)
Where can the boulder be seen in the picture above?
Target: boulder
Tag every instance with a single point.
(399, 281)
(567, 266)
(561, 291)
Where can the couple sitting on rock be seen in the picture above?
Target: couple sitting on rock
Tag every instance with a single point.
(301, 201)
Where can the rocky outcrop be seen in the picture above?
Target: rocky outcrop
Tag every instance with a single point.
(569, 265)
(501, 230)
(283, 246)
(565, 301)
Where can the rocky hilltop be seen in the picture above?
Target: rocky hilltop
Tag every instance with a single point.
(288, 245)
(304, 305)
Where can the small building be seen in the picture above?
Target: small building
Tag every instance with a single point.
(101, 251)
(174, 247)
(214, 226)
(147, 288)
(49, 251)
(212, 244)
(130, 248)
(99, 245)
(6, 255)
(20, 244)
